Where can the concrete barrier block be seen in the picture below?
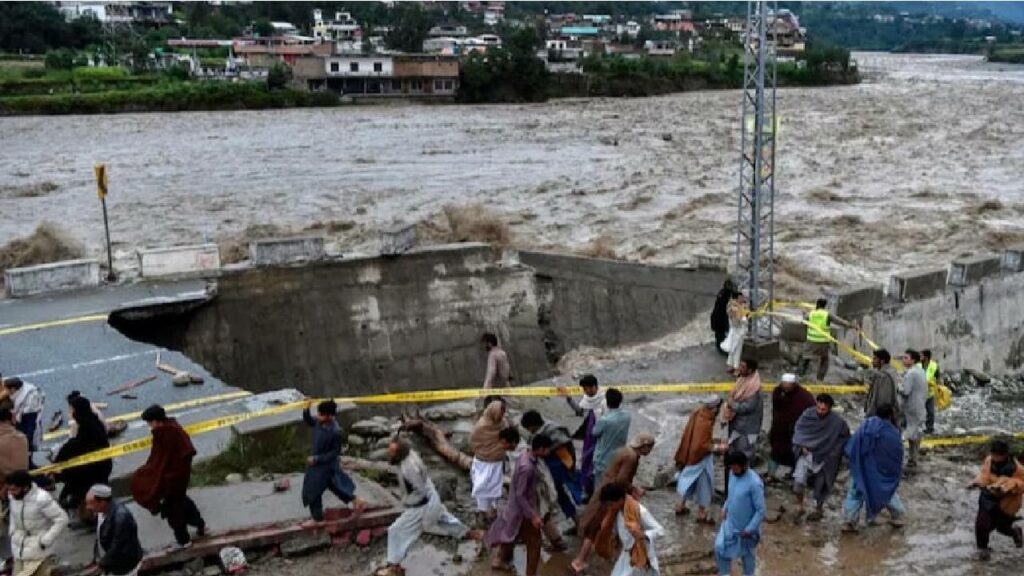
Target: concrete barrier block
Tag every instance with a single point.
(397, 239)
(965, 271)
(917, 284)
(1013, 259)
(793, 332)
(858, 301)
(268, 252)
(66, 275)
(197, 260)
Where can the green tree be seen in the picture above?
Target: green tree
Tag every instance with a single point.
(60, 59)
(410, 25)
(263, 28)
(278, 76)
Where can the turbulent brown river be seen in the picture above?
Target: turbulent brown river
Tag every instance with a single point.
(916, 165)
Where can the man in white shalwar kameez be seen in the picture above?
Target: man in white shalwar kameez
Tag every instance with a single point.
(424, 511)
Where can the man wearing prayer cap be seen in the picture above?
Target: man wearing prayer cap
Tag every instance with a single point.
(117, 550)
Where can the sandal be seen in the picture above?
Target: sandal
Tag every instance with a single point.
(706, 520)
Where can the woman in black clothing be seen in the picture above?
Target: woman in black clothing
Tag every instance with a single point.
(91, 436)
(719, 316)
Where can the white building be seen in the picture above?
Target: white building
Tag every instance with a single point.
(153, 13)
(359, 66)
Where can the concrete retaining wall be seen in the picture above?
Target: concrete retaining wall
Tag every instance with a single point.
(979, 325)
(278, 251)
(601, 303)
(414, 321)
(180, 261)
(66, 275)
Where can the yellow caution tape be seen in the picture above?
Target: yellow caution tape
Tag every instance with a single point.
(169, 408)
(141, 444)
(962, 440)
(402, 397)
(52, 324)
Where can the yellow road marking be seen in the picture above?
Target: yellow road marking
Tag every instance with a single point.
(52, 324)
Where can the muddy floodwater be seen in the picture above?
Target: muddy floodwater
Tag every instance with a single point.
(919, 163)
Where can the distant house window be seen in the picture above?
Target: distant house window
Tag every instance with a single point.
(378, 67)
(334, 67)
(353, 67)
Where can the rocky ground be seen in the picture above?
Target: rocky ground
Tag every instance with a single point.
(938, 537)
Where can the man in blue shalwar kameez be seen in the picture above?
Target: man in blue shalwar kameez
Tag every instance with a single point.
(742, 516)
(323, 467)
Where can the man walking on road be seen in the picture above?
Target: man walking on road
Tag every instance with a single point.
(590, 407)
(876, 465)
(520, 520)
(161, 483)
(931, 374)
(497, 375)
(117, 551)
(881, 385)
(789, 401)
(29, 403)
(1001, 481)
(36, 523)
(818, 441)
(323, 467)
(913, 393)
(423, 512)
(611, 431)
(742, 515)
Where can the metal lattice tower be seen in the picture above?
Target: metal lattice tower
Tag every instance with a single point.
(756, 221)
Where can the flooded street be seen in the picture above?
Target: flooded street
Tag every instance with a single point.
(916, 165)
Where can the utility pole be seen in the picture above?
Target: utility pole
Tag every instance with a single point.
(755, 262)
(101, 191)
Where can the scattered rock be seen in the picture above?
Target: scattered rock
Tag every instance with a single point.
(305, 544)
(451, 411)
(373, 428)
(446, 485)
(232, 559)
(981, 377)
(234, 478)
(194, 567)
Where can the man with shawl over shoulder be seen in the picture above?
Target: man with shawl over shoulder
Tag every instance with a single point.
(875, 452)
(818, 442)
(743, 412)
(621, 471)
(695, 461)
(487, 471)
(160, 484)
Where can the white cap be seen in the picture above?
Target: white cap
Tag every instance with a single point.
(101, 491)
(789, 378)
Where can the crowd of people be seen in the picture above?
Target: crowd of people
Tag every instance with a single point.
(586, 476)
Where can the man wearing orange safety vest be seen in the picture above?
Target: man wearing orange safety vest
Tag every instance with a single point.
(819, 338)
